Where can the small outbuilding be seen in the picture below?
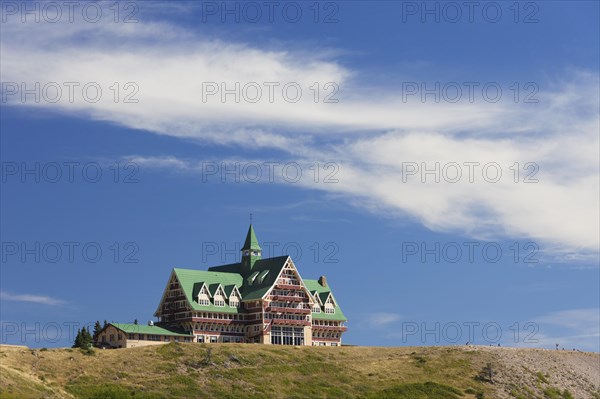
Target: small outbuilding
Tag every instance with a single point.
(124, 335)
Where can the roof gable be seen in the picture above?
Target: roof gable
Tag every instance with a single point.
(192, 280)
(323, 294)
(259, 288)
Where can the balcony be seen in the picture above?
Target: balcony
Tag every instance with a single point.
(287, 286)
(329, 328)
(291, 298)
(280, 309)
(290, 322)
(215, 321)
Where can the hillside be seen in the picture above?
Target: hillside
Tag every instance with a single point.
(253, 371)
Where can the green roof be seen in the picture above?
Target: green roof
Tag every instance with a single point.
(313, 285)
(191, 281)
(258, 289)
(153, 330)
(269, 268)
(251, 240)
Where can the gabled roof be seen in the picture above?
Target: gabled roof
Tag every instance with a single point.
(214, 287)
(324, 292)
(229, 290)
(323, 296)
(258, 289)
(251, 240)
(153, 330)
(197, 287)
(191, 281)
(315, 295)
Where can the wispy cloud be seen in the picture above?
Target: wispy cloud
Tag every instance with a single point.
(573, 328)
(383, 319)
(370, 133)
(39, 299)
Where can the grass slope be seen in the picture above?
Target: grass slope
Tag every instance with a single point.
(224, 371)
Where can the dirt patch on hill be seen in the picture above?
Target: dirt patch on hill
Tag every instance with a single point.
(542, 373)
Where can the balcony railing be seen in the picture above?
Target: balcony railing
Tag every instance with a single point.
(215, 321)
(279, 321)
(283, 309)
(292, 298)
(329, 328)
(287, 286)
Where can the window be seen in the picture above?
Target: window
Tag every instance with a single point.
(219, 303)
(262, 275)
(112, 337)
(287, 336)
(316, 309)
(252, 277)
(213, 339)
(329, 310)
(204, 302)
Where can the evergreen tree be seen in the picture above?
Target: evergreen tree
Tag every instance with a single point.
(78, 340)
(105, 324)
(86, 338)
(135, 321)
(97, 329)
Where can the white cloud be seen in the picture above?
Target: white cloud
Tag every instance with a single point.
(383, 319)
(573, 328)
(369, 133)
(39, 299)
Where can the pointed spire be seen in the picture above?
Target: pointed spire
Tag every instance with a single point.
(251, 242)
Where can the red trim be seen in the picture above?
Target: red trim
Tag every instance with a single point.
(291, 298)
(278, 321)
(287, 310)
(330, 328)
(288, 286)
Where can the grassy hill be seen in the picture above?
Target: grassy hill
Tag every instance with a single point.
(254, 371)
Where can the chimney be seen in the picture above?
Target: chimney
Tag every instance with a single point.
(323, 281)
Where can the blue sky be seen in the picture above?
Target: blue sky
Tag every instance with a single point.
(367, 221)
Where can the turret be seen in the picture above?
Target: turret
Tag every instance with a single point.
(251, 251)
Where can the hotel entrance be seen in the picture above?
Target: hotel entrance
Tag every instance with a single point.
(287, 336)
